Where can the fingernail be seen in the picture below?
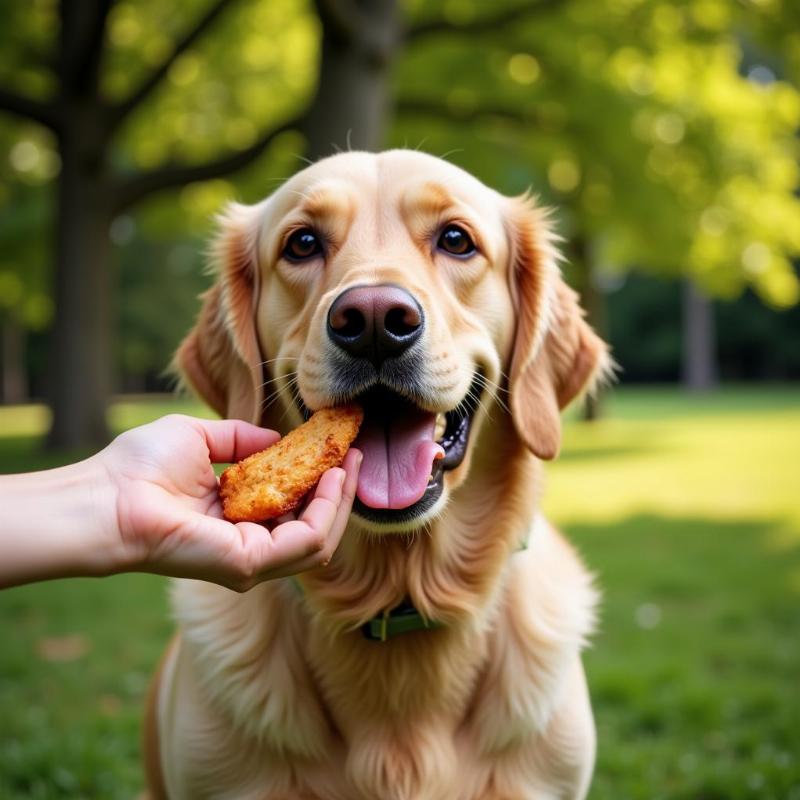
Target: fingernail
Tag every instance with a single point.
(342, 476)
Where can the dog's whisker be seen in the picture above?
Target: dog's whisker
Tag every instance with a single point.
(272, 380)
(300, 194)
(295, 393)
(490, 382)
(492, 388)
(278, 358)
(482, 405)
(291, 379)
(304, 159)
(472, 398)
(270, 401)
(452, 152)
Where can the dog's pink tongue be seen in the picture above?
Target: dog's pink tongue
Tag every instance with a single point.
(398, 455)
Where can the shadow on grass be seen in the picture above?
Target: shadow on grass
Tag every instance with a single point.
(74, 668)
(693, 672)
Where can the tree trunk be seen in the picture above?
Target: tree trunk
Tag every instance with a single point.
(352, 102)
(80, 365)
(350, 110)
(14, 377)
(594, 302)
(699, 363)
(79, 368)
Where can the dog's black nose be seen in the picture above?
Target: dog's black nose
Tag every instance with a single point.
(375, 322)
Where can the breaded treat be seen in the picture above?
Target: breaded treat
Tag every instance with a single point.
(274, 481)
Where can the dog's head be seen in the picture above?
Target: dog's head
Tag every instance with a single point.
(400, 281)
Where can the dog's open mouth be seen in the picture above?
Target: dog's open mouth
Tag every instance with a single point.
(406, 452)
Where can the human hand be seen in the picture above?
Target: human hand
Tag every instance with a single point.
(168, 517)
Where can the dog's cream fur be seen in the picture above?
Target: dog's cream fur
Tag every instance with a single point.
(275, 694)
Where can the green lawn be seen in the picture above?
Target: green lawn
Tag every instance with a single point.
(688, 510)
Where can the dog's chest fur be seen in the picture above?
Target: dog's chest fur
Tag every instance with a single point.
(338, 716)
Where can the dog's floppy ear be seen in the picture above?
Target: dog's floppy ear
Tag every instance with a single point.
(220, 357)
(556, 354)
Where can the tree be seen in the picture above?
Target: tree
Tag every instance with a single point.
(663, 149)
(352, 102)
(699, 361)
(86, 119)
(641, 125)
(25, 305)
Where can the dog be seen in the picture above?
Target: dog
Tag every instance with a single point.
(437, 656)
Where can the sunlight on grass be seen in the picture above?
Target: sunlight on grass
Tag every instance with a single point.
(29, 420)
(33, 419)
(725, 467)
(687, 510)
(126, 414)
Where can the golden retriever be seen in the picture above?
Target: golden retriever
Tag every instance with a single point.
(402, 281)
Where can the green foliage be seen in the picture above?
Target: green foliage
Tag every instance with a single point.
(28, 38)
(695, 538)
(159, 285)
(255, 68)
(25, 241)
(28, 164)
(636, 117)
(644, 328)
(654, 126)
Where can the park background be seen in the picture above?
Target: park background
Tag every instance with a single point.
(665, 135)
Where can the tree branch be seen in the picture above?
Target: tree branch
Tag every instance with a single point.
(369, 31)
(343, 18)
(498, 21)
(122, 109)
(92, 56)
(127, 191)
(43, 113)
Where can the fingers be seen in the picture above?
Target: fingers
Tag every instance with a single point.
(321, 557)
(232, 439)
(311, 540)
(242, 555)
(315, 523)
(346, 490)
(253, 554)
(351, 466)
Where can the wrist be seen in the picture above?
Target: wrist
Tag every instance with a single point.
(100, 504)
(59, 523)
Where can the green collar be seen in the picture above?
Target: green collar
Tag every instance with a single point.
(403, 618)
(394, 621)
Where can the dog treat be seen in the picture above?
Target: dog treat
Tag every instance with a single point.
(274, 481)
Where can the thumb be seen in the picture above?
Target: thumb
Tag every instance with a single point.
(233, 439)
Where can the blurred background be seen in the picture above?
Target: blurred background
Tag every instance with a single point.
(665, 135)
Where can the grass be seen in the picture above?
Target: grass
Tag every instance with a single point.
(686, 508)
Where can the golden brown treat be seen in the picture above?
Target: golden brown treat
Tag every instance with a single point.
(274, 481)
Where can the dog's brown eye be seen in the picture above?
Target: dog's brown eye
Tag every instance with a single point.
(456, 241)
(302, 244)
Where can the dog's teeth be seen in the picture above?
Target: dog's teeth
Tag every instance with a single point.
(441, 426)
